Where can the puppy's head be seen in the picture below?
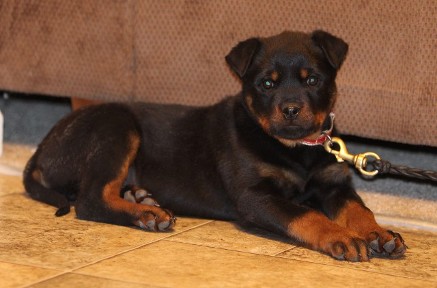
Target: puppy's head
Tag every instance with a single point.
(289, 81)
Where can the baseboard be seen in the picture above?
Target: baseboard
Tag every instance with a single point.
(399, 209)
(406, 223)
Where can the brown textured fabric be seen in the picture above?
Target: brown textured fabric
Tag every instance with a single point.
(66, 48)
(173, 51)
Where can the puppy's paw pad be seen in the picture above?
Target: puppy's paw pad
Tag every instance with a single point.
(149, 201)
(167, 225)
(129, 197)
(147, 221)
(161, 220)
(149, 226)
(141, 193)
(137, 195)
(166, 221)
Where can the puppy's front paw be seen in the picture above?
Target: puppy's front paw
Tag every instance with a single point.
(387, 244)
(158, 220)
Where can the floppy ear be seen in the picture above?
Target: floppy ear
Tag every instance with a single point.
(335, 49)
(241, 56)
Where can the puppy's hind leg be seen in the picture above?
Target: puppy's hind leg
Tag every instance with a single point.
(103, 201)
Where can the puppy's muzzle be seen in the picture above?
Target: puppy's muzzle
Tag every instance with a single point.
(291, 112)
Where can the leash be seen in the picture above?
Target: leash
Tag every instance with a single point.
(369, 164)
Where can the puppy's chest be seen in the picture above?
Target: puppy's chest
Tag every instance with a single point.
(289, 182)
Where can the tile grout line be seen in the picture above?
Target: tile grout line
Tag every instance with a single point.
(166, 239)
(74, 270)
(285, 250)
(137, 246)
(60, 273)
(358, 269)
(94, 276)
(227, 249)
(299, 260)
(42, 280)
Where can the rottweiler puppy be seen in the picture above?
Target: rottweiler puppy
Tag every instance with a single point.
(255, 157)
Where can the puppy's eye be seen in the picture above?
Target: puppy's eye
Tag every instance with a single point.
(268, 83)
(312, 80)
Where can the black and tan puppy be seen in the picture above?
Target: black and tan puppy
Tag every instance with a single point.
(244, 158)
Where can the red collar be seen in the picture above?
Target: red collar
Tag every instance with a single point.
(325, 135)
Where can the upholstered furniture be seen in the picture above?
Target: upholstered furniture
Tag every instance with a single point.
(173, 51)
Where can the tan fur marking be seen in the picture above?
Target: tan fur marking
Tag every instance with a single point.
(312, 228)
(277, 116)
(112, 199)
(263, 121)
(313, 136)
(304, 73)
(358, 218)
(36, 175)
(265, 124)
(287, 142)
(39, 177)
(111, 191)
(135, 144)
(317, 231)
(320, 117)
(249, 102)
(275, 76)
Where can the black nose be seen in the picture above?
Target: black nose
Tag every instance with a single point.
(291, 112)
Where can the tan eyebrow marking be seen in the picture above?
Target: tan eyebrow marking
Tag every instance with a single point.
(304, 73)
(275, 76)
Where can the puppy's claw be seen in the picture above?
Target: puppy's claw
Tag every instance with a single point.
(149, 201)
(390, 245)
(141, 193)
(339, 251)
(166, 225)
(374, 246)
(386, 244)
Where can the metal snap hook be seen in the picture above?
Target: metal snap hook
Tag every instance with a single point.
(342, 154)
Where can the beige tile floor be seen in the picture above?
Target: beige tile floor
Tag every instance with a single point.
(40, 250)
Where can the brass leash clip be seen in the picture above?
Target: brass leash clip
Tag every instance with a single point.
(359, 160)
